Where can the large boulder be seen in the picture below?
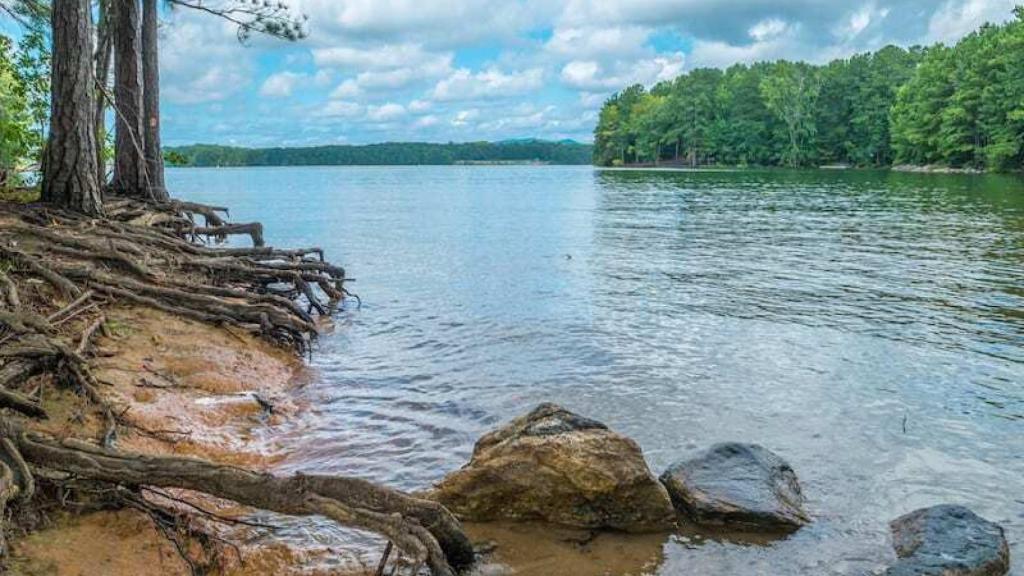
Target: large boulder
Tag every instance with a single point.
(559, 467)
(948, 540)
(743, 486)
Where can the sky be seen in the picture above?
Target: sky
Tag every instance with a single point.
(463, 70)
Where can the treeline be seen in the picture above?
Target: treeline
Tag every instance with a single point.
(390, 153)
(959, 106)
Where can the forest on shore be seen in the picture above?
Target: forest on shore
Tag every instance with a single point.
(388, 153)
(959, 106)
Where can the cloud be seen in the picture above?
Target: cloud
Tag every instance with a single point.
(383, 68)
(449, 23)
(378, 57)
(958, 18)
(463, 84)
(427, 121)
(385, 112)
(593, 76)
(420, 105)
(281, 85)
(768, 29)
(341, 109)
(588, 42)
(225, 69)
(464, 117)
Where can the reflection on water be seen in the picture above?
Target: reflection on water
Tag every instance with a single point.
(869, 327)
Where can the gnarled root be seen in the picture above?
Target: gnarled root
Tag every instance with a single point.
(146, 254)
(423, 530)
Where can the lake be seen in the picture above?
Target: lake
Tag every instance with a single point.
(867, 326)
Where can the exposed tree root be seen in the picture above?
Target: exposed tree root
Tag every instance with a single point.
(70, 266)
(422, 529)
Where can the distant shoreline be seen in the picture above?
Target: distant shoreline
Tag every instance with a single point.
(528, 151)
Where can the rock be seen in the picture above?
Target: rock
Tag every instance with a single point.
(948, 540)
(739, 485)
(555, 466)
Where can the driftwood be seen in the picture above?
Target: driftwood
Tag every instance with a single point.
(146, 254)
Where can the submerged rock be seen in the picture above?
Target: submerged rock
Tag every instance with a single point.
(739, 485)
(556, 466)
(948, 540)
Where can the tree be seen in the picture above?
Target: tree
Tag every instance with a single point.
(790, 91)
(130, 177)
(32, 68)
(15, 122)
(151, 101)
(269, 18)
(606, 153)
(69, 170)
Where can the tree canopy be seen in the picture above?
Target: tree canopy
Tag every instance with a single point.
(960, 106)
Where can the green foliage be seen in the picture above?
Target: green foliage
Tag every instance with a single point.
(391, 153)
(769, 113)
(33, 71)
(16, 136)
(175, 158)
(790, 91)
(965, 105)
(958, 106)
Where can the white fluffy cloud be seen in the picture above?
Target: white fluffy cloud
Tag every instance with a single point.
(382, 68)
(341, 109)
(588, 42)
(281, 85)
(463, 84)
(385, 112)
(448, 23)
(224, 70)
(594, 76)
(958, 17)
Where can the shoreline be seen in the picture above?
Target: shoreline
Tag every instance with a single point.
(146, 376)
(203, 391)
(903, 169)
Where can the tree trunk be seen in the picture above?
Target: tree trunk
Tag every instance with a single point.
(151, 101)
(69, 170)
(129, 155)
(104, 53)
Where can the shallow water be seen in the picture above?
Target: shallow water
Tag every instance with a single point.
(869, 327)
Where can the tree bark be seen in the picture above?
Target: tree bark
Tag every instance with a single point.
(129, 159)
(69, 171)
(151, 101)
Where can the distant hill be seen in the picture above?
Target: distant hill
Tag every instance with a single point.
(389, 153)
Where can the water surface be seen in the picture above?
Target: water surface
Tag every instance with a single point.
(869, 327)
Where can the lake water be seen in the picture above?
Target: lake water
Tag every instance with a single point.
(869, 327)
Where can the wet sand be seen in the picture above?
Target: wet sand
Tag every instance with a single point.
(191, 389)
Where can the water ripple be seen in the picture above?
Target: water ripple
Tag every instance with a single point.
(868, 326)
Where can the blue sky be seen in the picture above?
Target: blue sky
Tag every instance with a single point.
(441, 70)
